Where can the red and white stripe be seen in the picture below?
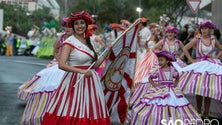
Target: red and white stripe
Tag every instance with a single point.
(117, 101)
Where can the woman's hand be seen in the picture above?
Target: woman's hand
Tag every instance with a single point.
(87, 73)
(193, 60)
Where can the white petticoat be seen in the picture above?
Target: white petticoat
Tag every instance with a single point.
(49, 79)
(201, 67)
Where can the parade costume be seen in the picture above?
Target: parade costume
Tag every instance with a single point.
(45, 49)
(38, 90)
(143, 69)
(173, 49)
(84, 103)
(51, 72)
(203, 77)
(79, 99)
(163, 102)
(143, 86)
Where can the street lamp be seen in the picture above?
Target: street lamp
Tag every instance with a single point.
(139, 10)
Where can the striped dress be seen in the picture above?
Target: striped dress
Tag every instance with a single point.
(38, 91)
(83, 104)
(175, 49)
(146, 66)
(204, 77)
(164, 102)
(25, 90)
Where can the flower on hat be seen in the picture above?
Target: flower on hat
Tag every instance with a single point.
(65, 21)
(92, 27)
(172, 28)
(81, 15)
(143, 19)
(153, 25)
(116, 26)
(166, 54)
(164, 18)
(207, 23)
(125, 22)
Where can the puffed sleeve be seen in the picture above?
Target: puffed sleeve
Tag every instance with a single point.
(175, 73)
(154, 73)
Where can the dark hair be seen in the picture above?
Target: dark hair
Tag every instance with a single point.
(217, 33)
(169, 63)
(91, 47)
(88, 43)
(144, 23)
(115, 32)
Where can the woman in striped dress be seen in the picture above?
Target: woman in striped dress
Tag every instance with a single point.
(203, 77)
(172, 44)
(163, 102)
(38, 92)
(79, 100)
(144, 66)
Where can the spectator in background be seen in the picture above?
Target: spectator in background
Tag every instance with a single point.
(32, 34)
(217, 34)
(14, 45)
(9, 44)
(18, 43)
(184, 33)
(4, 40)
(190, 36)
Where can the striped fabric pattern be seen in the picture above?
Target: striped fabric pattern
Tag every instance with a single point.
(140, 90)
(207, 85)
(25, 89)
(143, 66)
(73, 105)
(153, 114)
(36, 108)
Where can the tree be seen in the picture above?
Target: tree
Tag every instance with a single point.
(16, 17)
(174, 9)
(21, 20)
(110, 11)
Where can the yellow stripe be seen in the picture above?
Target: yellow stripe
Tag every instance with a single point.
(141, 112)
(150, 118)
(189, 114)
(212, 85)
(164, 113)
(199, 82)
(176, 114)
(43, 104)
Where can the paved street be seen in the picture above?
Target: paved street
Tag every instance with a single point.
(14, 71)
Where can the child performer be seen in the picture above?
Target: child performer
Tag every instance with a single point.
(164, 101)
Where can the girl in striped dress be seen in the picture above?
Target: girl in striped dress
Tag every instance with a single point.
(164, 101)
(203, 77)
(40, 88)
(170, 44)
(79, 99)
